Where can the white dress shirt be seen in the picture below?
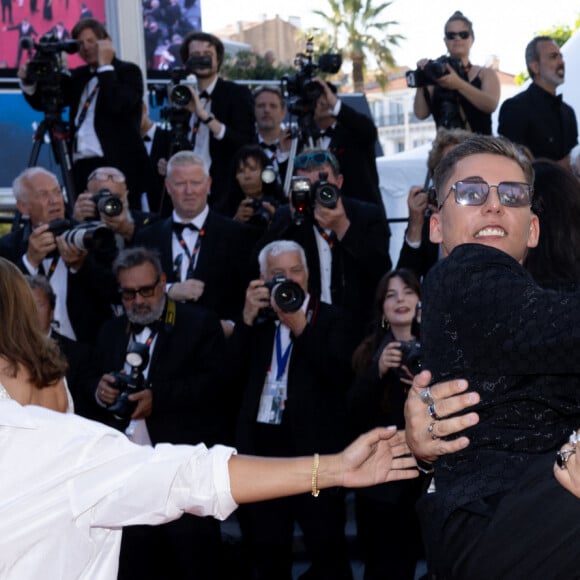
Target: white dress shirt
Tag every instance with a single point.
(68, 486)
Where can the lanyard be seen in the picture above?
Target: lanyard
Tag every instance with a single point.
(86, 106)
(51, 268)
(281, 357)
(330, 238)
(191, 256)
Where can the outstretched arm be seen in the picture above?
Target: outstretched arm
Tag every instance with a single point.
(378, 456)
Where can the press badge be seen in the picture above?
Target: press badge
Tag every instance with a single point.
(272, 401)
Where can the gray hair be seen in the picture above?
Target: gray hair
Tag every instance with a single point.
(40, 282)
(184, 158)
(532, 51)
(19, 185)
(280, 247)
(133, 257)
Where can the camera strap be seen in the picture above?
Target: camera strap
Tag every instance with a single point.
(86, 105)
(53, 264)
(329, 238)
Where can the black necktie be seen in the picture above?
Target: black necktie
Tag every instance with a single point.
(179, 227)
(273, 147)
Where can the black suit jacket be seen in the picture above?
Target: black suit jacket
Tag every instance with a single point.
(319, 374)
(419, 260)
(222, 261)
(90, 290)
(184, 374)
(118, 110)
(231, 104)
(359, 260)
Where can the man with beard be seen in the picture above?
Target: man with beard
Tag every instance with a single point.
(537, 117)
(178, 399)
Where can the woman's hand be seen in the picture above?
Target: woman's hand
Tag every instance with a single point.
(390, 358)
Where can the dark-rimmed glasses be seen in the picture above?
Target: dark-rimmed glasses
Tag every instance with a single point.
(510, 193)
(464, 35)
(101, 175)
(144, 291)
(315, 159)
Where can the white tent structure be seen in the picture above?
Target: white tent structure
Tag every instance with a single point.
(398, 173)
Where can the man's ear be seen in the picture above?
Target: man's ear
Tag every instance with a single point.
(534, 233)
(435, 228)
(534, 67)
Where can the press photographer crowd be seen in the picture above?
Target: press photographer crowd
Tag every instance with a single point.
(207, 306)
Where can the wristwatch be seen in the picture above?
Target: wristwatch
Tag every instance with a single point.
(209, 119)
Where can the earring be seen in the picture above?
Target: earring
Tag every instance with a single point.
(385, 324)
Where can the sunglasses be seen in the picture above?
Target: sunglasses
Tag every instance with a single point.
(315, 159)
(464, 34)
(104, 176)
(510, 193)
(145, 291)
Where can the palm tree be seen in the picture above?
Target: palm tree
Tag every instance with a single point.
(365, 35)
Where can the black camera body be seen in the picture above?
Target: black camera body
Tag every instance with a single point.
(305, 195)
(58, 226)
(432, 71)
(107, 203)
(261, 217)
(287, 294)
(300, 88)
(137, 357)
(411, 351)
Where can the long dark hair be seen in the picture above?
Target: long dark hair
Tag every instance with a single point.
(363, 355)
(555, 262)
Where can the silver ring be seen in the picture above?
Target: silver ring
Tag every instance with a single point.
(563, 456)
(433, 412)
(426, 396)
(430, 430)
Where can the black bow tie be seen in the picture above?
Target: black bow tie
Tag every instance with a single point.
(273, 147)
(179, 227)
(137, 328)
(147, 139)
(326, 133)
(204, 95)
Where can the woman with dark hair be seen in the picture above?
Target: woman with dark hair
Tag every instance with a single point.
(253, 183)
(32, 367)
(555, 262)
(465, 95)
(385, 362)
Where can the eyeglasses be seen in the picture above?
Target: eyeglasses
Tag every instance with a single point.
(104, 176)
(315, 159)
(464, 34)
(510, 193)
(145, 291)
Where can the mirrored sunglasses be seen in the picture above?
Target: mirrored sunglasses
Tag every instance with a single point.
(510, 193)
(315, 159)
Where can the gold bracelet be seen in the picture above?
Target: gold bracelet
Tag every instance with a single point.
(316, 462)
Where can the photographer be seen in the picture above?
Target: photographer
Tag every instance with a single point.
(222, 117)
(463, 95)
(385, 362)
(178, 398)
(293, 371)
(105, 99)
(346, 241)
(254, 183)
(84, 287)
(106, 200)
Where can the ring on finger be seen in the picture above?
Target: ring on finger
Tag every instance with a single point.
(426, 396)
(431, 431)
(433, 412)
(562, 457)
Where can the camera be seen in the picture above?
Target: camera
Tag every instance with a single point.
(107, 203)
(432, 71)
(46, 68)
(305, 195)
(287, 295)
(261, 215)
(411, 351)
(58, 226)
(137, 358)
(301, 90)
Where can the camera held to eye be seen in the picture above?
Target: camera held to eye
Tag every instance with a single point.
(287, 294)
(137, 358)
(107, 203)
(305, 195)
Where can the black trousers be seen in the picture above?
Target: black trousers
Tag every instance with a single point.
(529, 533)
